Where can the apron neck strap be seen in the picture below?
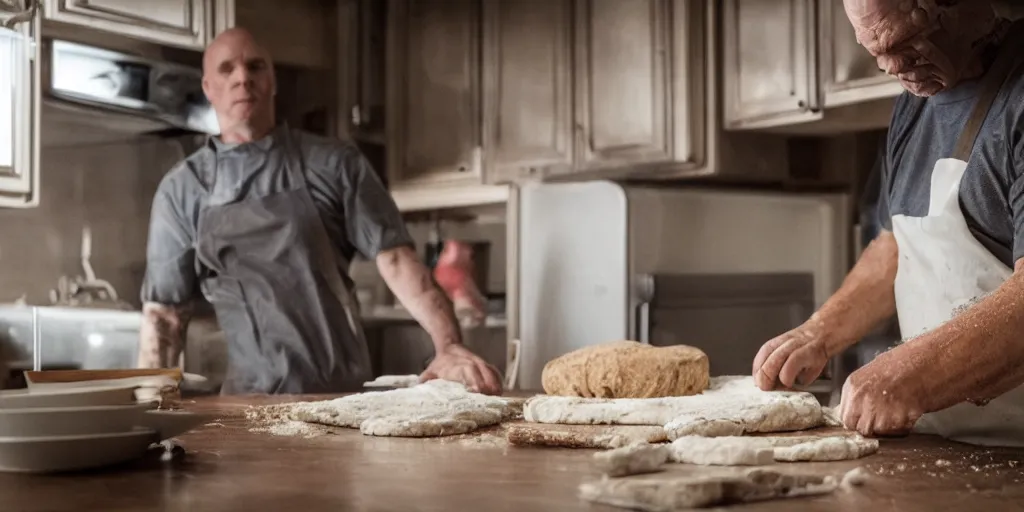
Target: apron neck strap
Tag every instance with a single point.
(1006, 61)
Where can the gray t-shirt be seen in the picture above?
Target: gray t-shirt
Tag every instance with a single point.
(358, 212)
(992, 188)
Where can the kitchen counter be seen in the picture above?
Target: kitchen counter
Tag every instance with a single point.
(227, 467)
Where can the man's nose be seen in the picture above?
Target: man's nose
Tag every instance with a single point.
(893, 64)
(241, 76)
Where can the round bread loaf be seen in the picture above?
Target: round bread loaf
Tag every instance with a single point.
(627, 369)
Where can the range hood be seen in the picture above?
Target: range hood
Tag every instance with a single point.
(91, 94)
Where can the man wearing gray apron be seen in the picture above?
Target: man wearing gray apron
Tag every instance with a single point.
(264, 220)
(950, 259)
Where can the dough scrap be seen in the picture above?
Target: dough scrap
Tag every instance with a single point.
(394, 381)
(756, 451)
(826, 449)
(610, 370)
(431, 409)
(732, 405)
(632, 460)
(722, 451)
(668, 494)
(581, 436)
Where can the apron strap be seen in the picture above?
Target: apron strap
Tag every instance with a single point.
(1005, 63)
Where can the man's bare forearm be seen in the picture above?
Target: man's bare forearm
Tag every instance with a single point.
(975, 356)
(163, 333)
(863, 301)
(411, 282)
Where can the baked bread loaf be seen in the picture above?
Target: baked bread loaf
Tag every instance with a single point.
(627, 369)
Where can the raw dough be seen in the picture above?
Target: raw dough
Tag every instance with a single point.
(434, 408)
(827, 449)
(581, 436)
(668, 494)
(394, 381)
(632, 460)
(722, 451)
(732, 405)
(755, 451)
(611, 370)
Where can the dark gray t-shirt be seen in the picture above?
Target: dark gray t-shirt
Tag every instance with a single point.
(358, 212)
(992, 188)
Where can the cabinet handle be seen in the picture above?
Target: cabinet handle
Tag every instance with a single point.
(23, 16)
(357, 117)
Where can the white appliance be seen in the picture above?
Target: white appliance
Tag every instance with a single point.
(721, 270)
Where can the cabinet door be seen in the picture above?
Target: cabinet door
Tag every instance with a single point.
(182, 23)
(527, 87)
(362, 28)
(19, 113)
(622, 83)
(433, 92)
(770, 68)
(851, 74)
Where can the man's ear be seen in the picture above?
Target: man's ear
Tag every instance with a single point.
(206, 89)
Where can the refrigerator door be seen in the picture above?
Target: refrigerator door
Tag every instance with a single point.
(572, 271)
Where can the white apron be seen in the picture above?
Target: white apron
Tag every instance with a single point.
(942, 266)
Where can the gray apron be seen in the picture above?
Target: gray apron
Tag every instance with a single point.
(274, 281)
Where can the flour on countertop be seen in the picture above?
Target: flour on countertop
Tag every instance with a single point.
(433, 408)
(732, 405)
(291, 428)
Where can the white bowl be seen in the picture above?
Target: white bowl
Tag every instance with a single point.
(71, 421)
(67, 397)
(70, 453)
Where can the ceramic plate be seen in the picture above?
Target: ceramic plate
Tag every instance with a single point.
(170, 424)
(71, 421)
(70, 453)
(67, 397)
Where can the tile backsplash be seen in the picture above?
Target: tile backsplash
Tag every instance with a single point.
(109, 187)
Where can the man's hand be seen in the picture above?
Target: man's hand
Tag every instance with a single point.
(880, 399)
(796, 357)
(456, 363)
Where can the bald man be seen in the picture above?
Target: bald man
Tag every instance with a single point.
(950, 259)
(264, 220)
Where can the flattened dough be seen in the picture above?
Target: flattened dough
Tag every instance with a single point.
(668, 494)
(610, 370)
(733, 405)
(756, 451)
(827, 449)
(722, 451)
(434, 408)
(394, 381)
(632, 460)
(581, 436)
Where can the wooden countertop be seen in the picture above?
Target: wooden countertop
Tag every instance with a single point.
(228, 467)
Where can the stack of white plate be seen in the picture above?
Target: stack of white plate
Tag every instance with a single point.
(75, 426)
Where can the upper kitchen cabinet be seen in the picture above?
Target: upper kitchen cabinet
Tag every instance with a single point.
(19, 104)
(527, 88)
(769, 61)
(180, 23)
(295, 32)
(623, 71)
(362, 29)
(851, 74)
(433, 93)
(794, 66)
